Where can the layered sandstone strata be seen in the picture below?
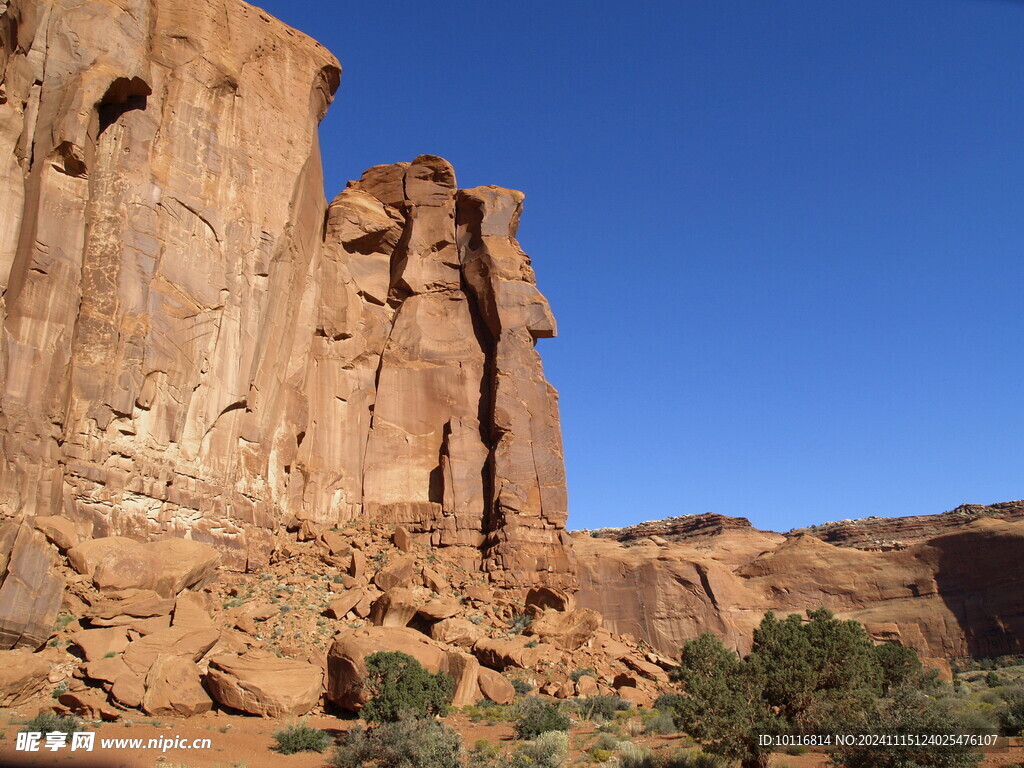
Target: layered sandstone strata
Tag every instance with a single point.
(196, 345)
(951, 587)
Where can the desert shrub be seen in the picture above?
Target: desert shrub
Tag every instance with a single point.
(1011, 715)
(582, 672)
(548, 750)
(601, 707)
(662, 723)
(521, 686)
(47, 722)
(519, 622)
(606, 741)
(535, 716)
(405, 743)
(795, 750)
(814, 676)
(693, 759)
(397, 685)
(993, 679)
(301, 738)
(909, 711)
(896, 665)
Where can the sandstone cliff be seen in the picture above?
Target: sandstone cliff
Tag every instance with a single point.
(947, 585)
(195, 344)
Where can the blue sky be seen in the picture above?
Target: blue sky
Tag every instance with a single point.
(782, 239)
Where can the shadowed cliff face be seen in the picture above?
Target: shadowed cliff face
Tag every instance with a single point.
(947, 585)
(195, 344)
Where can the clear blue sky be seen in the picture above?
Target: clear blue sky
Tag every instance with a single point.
(783, 239)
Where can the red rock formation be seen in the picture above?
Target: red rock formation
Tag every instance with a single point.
(189, 351)
(947, 585)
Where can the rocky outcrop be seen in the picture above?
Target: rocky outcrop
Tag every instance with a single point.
(948, 586)
(30, 591)
(189, 351)
(196, 345)
(262, 684)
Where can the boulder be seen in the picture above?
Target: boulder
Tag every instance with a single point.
(89, 704)
(340, 606)
(456, 631)
(107, 669)
(402, 539)
(30, 594)
(397, 573)
(438, 610)
(586, 687)
(192, 612)
(434, 581)
(263, 684)
(173, 688)
(166, 566)
(502, 653)
(129, 689)
(23, 675)
(646, 669)
(496, 687)
(634, 696)
(566, 630)
(395, 608)
(84, 557)
(134, 603)
(175, 641)
(346, 668)
(99, 643)
(58, 530)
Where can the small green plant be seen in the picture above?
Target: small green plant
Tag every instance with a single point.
(62, 621)
(546, 751)
(301, 738)
(406, 743)
(993, 679)
(397, 685)
(535, 716)
(45, 722)
(601, 707)
(59, 690)
(477, 619)
(661, 724)
(521, 686)
(582, 672)
(519, 622)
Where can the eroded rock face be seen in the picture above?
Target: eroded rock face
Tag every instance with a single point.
(195, 345)
(31, 589)
(948, 586)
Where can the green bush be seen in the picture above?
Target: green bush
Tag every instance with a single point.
(582, 672)
(1011, 715)
(301, 738)
(519, 622)
(913, 712)
(521, 686)
(535, 716)
(601, 707)
(45, 722)
(548, 750)
(397, 685)
(993, 679)
(662, 723)
(694, 759)
(405, 743)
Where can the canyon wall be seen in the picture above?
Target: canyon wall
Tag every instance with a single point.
(947, 585)
(195, 344)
